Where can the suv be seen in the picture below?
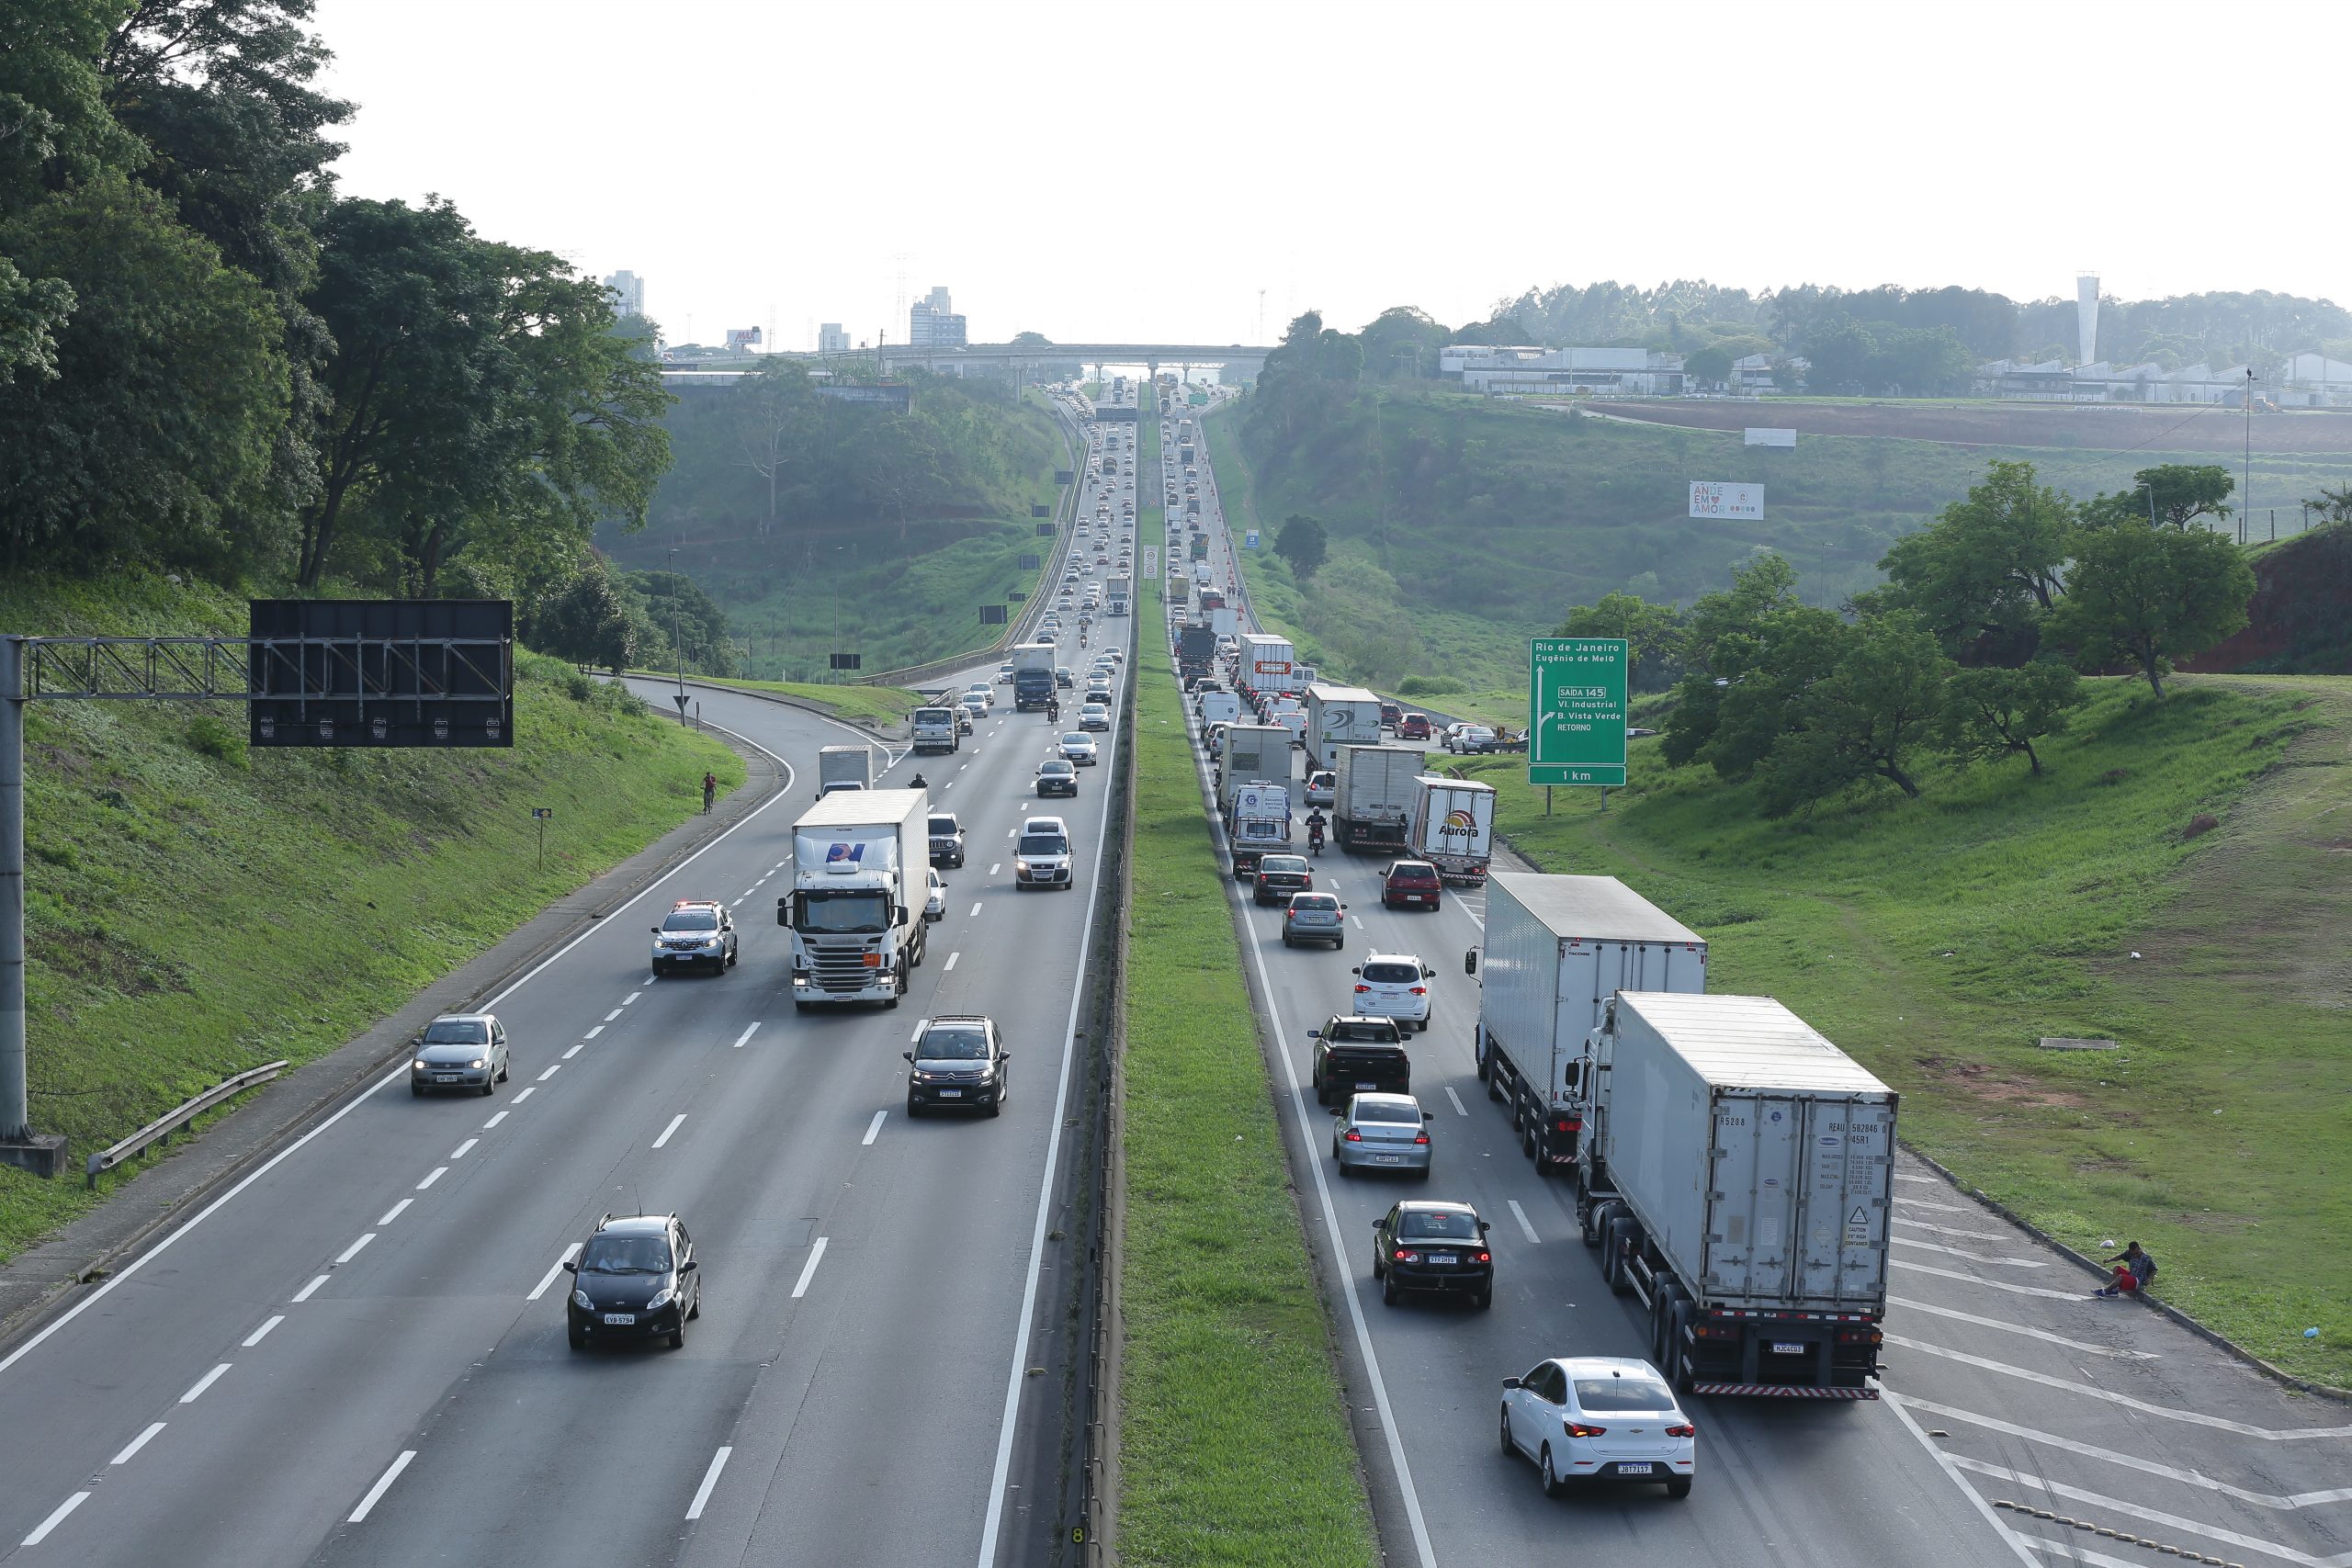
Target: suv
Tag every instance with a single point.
(1410, 884)
(636, 1278)
(1395, 985)
(460, 1050)
(697, 933)
(957, 1064)
(1041, 855)
(1359, 1056)
(946, 840)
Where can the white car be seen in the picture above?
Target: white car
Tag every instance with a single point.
(1004, 673)
(1094, 715)
(1395, 985)
(974, 703)
(1041, 855)
(983, 691)
(1078, 749)
(935, 904)
(1599, 1418)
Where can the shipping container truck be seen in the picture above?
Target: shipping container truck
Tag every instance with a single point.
(1556, 949)
(858, 890)
(1033, 676)
(1254, 753)
(1260, 824)
(1199, 546)
(1180, 589)
(1266, 662)
(1195, 651)
(1372, 797)
(843, 767)
(1737, 1173)
(1453, 827)
(1336, 716)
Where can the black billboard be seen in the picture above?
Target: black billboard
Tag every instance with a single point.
(991, 614)
(1039, 509)
(848, 662)
(1044, 530)
(382, 672)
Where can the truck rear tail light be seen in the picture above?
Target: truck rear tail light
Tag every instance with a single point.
(1864, 1336)
(1685, 1430)
(1578, 1429)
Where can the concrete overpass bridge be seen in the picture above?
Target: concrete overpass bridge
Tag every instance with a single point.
(1236, 362)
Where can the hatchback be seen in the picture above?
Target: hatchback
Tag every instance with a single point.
(1078, 749)
(1381, 1131)
(1278, 877)
(1057, 776)
(1602, 1419)
(460, 1050)
(1395, 985)
(636, 1278)
(1094, 715)
(1315, 916)
(1390, 715)
(1413, 727)
(1409, 884)
(934, 903)
(1438, 1246)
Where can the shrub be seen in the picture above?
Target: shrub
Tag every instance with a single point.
(208, 737)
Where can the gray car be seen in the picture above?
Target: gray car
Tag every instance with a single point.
(462, 1051)
(1315, 916)
(1381, 1131)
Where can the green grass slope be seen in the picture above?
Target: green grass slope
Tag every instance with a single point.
(194, 908)
(1939, 940)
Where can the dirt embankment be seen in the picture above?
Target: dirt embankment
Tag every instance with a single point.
(2300, 619)
(2090, 426)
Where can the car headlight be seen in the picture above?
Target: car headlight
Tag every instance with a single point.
(1022, 866)
(417, 1065)
(580, 1299)
(661, 1299)
(475, 1064)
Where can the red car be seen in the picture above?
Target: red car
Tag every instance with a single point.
(1413, 727)
(1391, 716)
(1409, 884)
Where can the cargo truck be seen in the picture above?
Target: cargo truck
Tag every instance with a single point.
(1033, 676)
(1253, 754)
(1374, 788)
(1266, 661)
(1223, 620)
(1195, 651)
(1260, 824)
(1336, 716)
(1199, 546)
(843, 767)
(1453, 827)
(1739, 1170)
(1556, 949)
(935, 729)
(1115, 593)
(858, 890)
(1180, 590)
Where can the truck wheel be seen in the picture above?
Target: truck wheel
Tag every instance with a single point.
(1614, 1245)
(800, 1006)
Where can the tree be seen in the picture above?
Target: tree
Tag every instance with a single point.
(1842, 354)
(587, 622)
(2333, 506)
(2173, 495)
(1990, 567)
(55, 132)
(1303, 542)
(1992, 713)
(32, 311)
(1653, 634)
(1878, 705)
(1032, 339)
(1923, 360)
(1711, 364)
(2151, 596)
(1402, 341)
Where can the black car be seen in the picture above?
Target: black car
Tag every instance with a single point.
(946, 838)
(636, 1278)
(1056, 776)
(1424, 1246)
(1359, 1056)
(1279, 876)
(958, 1064)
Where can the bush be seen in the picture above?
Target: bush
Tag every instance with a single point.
(208, 737)
(579, 687)
(1427, 686)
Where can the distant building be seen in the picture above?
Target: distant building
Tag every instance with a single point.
(628, 292)
(2313, 380)
(2054, 381)
(830, 339)
(1526, 371)
(932, 321)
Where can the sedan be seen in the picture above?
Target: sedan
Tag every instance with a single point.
(1395, 985)
(1064, 678)
(1601, 1417)
(1078, 749)
(1322, 787)
(1004, 673)
(1436, 1246)
(1057, 776)
(1470, 738)
(1315, 916)
(1094, 715)
(1279, 876)
(1381, 1131)
(464, 1051)
(1409, 884)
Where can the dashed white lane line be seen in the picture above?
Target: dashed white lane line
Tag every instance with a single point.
(257, 1335)
(630, 998)
(130, 1449)
(1520, 1215)
(676, 1121)
(528, 1091)
(348, 1252)
(463, 1149)
(996, 868)
(494, 1120)
(951, 961)
(1939, 1228)
(2043, 1335)
(709, 1479)
(306, 1291)
(1972, 1256)
(383, 1484)
(1358, 919)
(436, 1173)
(40, 1531)
(749, 1029)
(872, 1130)
(2153, 1516)
(575, 1050)
(808, 1269)
(976, 909)
(612, 1015)
(593, 1034)
(1459, 1109)
(196, 1390)
(921, 1024)
(2110, 1396)
(553, 1069)
(754, 887)
(541, 1288)
(2015, 1290)
(394, 1212)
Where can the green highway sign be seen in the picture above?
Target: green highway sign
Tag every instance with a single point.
(1575, 710)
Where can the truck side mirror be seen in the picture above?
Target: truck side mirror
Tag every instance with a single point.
(898, 915)
(1470, 961)
(784, 911)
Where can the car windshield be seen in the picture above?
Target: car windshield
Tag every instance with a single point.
(457, 1031)
(953, 1045)
(1613, 1395)
(691, 920)
(943, 827)
(1043, 844)
(1283, 866)
(1392, 974)
(1078, 738)
(625, 1254)
(1414, 1226)
(1364, 1033)
(843, 913)
(1412, 871)
(1385, 1111)
(1321, 903)
(1053, 767)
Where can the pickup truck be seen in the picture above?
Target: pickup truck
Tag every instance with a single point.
(1359, 1056)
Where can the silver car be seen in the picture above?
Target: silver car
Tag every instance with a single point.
(1315, 916)
(1381, 1131)
(460, 1050)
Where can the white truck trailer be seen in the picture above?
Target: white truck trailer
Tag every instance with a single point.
(858, 890)
(1453, 827)
(1253, 754)
(843, 768)
(1265, 662)
(1738, 1176)
(1372, 790)
(1336, 716)
(1556, 949)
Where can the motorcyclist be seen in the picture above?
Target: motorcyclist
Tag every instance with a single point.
(916, 783)
(1315, 824)
(1053, 710)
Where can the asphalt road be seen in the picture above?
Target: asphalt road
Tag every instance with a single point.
(357, 1355)
(2007, 1381)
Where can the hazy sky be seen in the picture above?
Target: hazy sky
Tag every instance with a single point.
(1094, 171)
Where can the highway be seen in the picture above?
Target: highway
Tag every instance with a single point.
(2007, 1382)
(357, 1354)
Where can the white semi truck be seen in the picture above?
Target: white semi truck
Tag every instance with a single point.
(1453, 827)
(1372, 791)
(1336, 716)
(858, 890)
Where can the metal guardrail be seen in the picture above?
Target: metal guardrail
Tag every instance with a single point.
(176, 1120)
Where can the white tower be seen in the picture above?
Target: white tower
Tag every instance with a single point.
(2087, 318)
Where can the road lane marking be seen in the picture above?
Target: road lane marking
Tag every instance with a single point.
(394, 1212)
(2146, 1407)
(916, 1038)
(40, 1531)
(257, 1335)
(2153, 1516)
(674, 1123)
(1972, 1256)
(2042, 1334)
(1358, 919)
(749, 1029)
(872, 1129)
(130, 1449)
(754, 887)
(2015, 1290)
(592, 1034)
(305, 1294)
(995, 868)
(383, 1484)
(196, 1390)
(1939, 1228)
(575, 1050)
(1520, 1215)
(612, 1015)
(630, 998)
(1922, 1180)
(808, 1269)
(976, 909)
(1459, 1109)
(462, 1149)
(709, 1479)
(553, 1069)
(951, 961)
(541, 1288)
(436, 1173)
(2009, 1537)
(1944, 1208)
(354, 1249)
(527, 1093)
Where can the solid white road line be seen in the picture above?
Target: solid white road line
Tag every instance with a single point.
(872, 1129)
(383, 1484)
(2091, 1390)
(259, 1334)
(527, 1090)
(575, 1050)
(1900, 1406)
(2153, 1516)
(354, 1249)
(394, 1212)
(196, 1390)
(541, 1288)
(921, 1024)
(675, 1123)
(1946, 1208)
(2077, 1554)
(1922, 1180)
(461, 1150)
(2042, 1291)
(2042, 1334)
(612, 1015)
(436, 1173)
(593, 1034)
(553, 1069)
(1459, 1109)
(1520, 1215)
(1972, 1256)
(808, 1269)
(749, 1029)
(306, 1291)
(951, 961)
(709, 1479)
(40, 1531)
(130, 1449)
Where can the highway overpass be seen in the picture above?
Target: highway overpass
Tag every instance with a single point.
(1237, 362)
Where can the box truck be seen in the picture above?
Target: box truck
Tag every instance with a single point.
(1254, 753)
(1336, 716)
(1556, 949)
(1372, 791)
(843, 767)
(1453, 827)
(1266, 661)
(1115, 592)
(1739, 1170)
(935, 729)
(1033, 676)
(858, 887)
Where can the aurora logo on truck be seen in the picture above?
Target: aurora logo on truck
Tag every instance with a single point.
(1458, 824)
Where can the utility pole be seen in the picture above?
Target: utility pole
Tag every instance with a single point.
(677, 637)
(2245, 482)
(16, 1115)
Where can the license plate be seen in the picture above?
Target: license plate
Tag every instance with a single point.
(1412, 898)
(1445, 1258)
(1385, 1159)
(951, 1094)
(1782, 1348)
(1634, 1469)
(620, 1319)
(445, 1078)
(1366, 1087)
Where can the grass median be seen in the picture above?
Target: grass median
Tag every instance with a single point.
(1234, 1446)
